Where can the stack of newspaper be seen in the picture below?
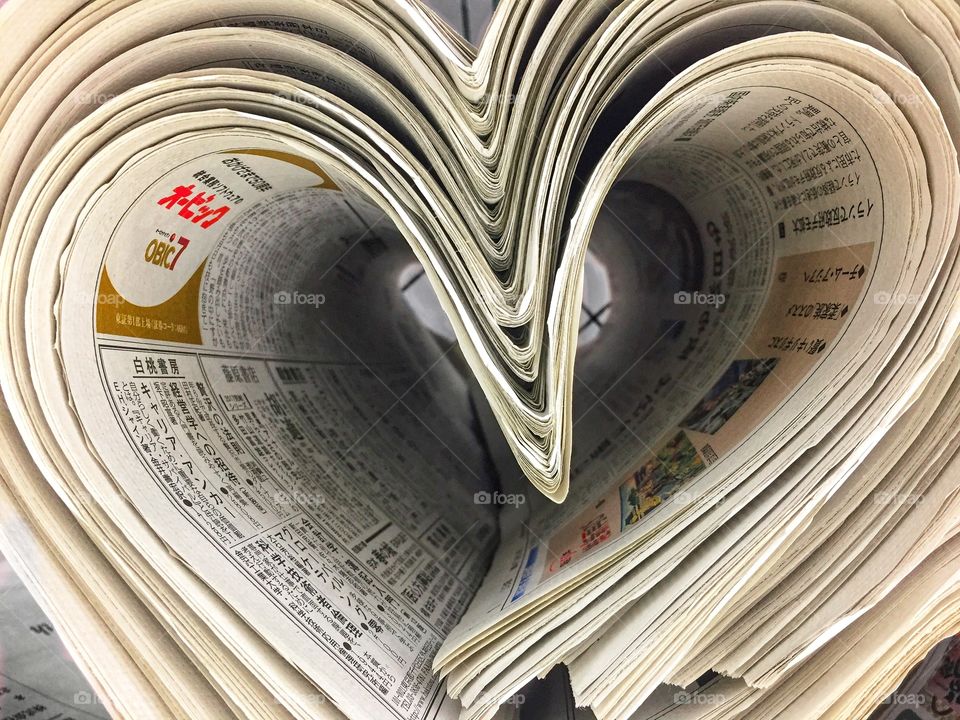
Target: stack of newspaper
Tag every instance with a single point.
(247, 478)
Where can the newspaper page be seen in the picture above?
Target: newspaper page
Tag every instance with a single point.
(787, 197)
(261, 400)
(38, 679)
(931, 691)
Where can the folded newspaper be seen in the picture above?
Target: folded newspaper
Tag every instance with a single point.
(248, 474)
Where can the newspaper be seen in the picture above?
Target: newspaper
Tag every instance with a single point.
(324, 506)
(38, 678)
